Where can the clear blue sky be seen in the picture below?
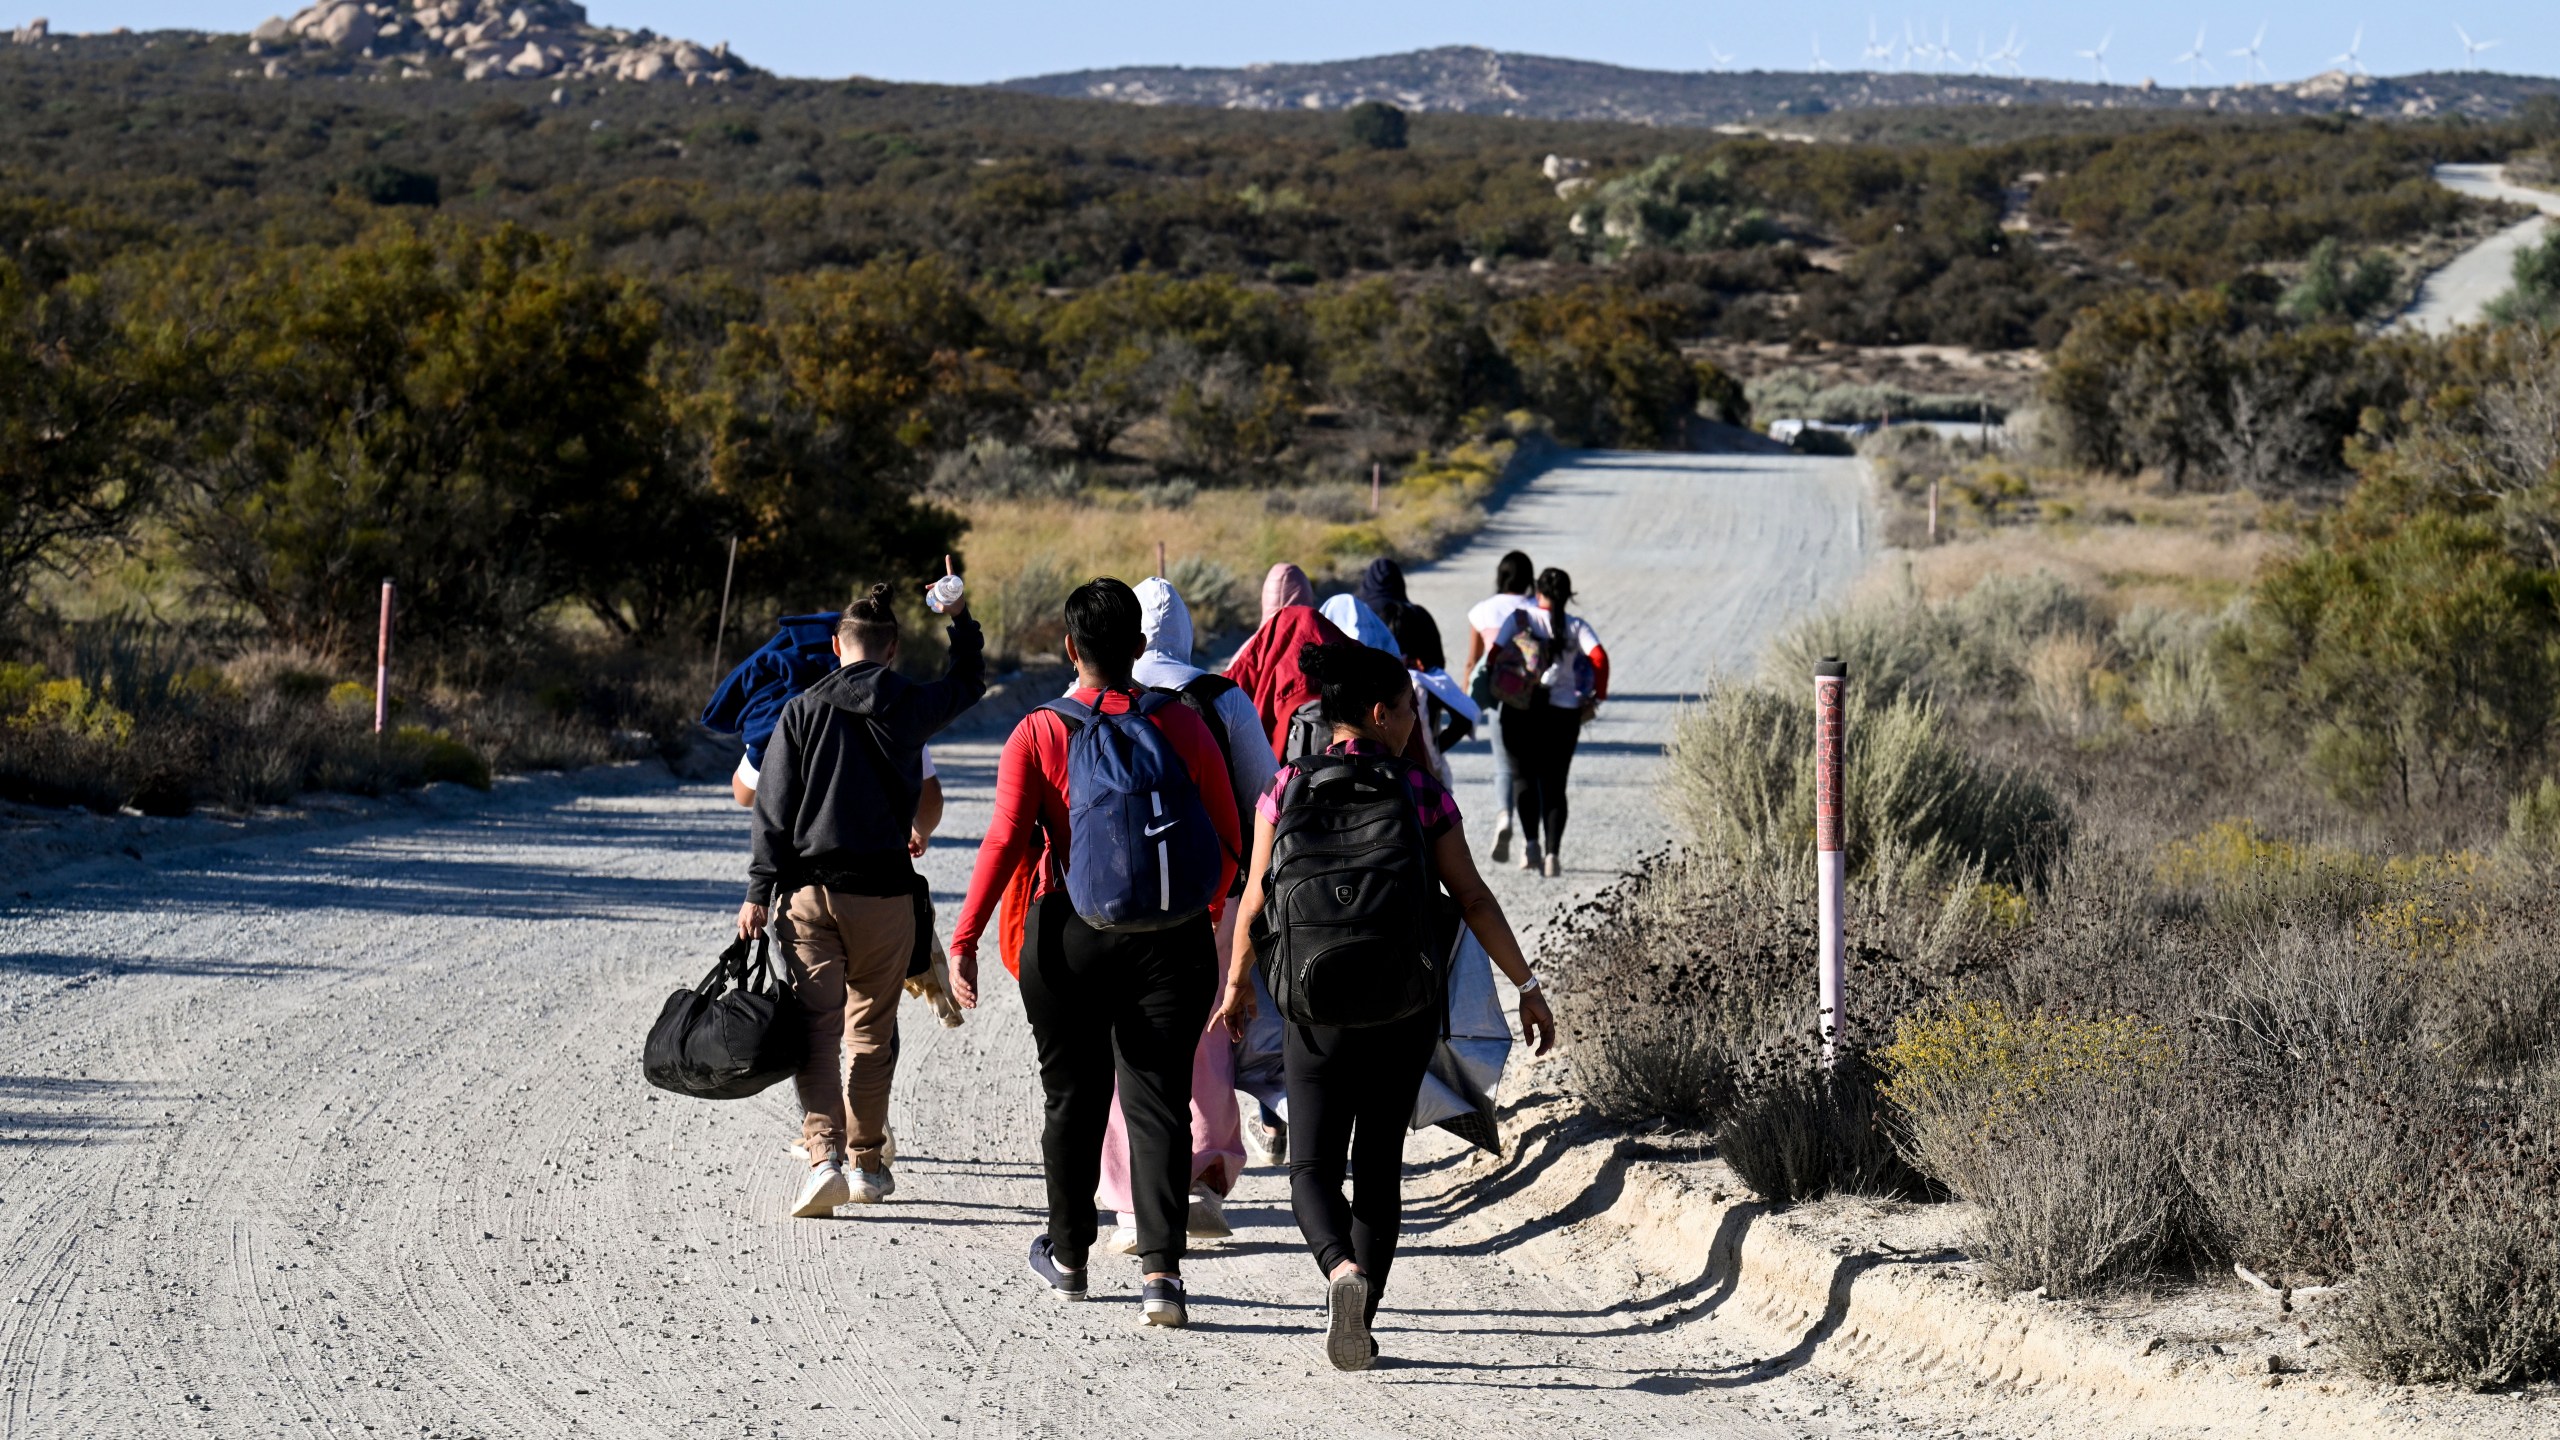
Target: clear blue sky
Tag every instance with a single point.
(975, 40)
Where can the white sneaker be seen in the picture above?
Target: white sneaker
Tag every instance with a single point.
(1124, 1239)
(870, 1187)
(1529, 858)
(1208, 1218)
(1555, 866)
(824, 1190)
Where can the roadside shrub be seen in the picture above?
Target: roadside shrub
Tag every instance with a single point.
(1920, 807)
(2458, 1273)
(1022, 611)
(1215, 594)
(1675, 980)
(990, 469)
(1800, 1131)
(2533, 825)
(2054, 1126)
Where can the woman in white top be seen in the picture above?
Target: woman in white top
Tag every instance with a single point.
(1513, 579)
(1542, 734)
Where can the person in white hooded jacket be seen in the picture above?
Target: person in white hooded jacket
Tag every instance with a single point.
(1217, 1131)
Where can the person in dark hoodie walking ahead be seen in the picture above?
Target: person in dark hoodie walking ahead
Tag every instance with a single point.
(832, 818)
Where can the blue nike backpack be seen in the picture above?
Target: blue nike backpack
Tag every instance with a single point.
(1141, 852)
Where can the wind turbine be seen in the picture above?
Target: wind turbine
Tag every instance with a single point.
(2248, 55)
(1877, 50)
(2195, 57)
(1982, 57)
(2098, 59)
(2348, 61)
(1949, 57)
(1723, 61)
(2471, 48)
(2009, 52)
(1820, 65)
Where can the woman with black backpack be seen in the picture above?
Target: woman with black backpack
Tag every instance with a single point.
(1360, 875)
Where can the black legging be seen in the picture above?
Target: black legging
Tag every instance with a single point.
(1126, 1006)
(1351, 1095)
(1541, 738)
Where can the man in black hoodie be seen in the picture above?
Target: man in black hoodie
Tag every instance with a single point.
(832, 814)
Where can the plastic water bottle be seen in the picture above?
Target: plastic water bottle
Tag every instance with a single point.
(943, 594)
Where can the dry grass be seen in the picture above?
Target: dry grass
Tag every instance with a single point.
(2193, 561)
(1329, 529)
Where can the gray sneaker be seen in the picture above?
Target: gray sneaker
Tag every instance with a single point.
(1502, 842)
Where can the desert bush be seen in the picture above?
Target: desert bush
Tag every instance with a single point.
(1215, 594)
(1920, 807)
(2458, 1271)
(2054, 1126)
(2535, 297)
(1800, 1130)
(992, 469)
(1675, 204)
(1022, 609)
(2533, 825)
(1789, 390)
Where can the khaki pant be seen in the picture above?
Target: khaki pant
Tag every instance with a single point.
(848, 960)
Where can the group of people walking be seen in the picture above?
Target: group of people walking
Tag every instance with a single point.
(1202, 882)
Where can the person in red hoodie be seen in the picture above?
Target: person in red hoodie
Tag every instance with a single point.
(1130, 1003)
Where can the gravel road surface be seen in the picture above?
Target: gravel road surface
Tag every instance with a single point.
(2456, 295)
(342, 1133)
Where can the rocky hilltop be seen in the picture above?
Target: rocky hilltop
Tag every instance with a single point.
(1472, 80)
(482, 40)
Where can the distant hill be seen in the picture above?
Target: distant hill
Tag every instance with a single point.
(1476, 81)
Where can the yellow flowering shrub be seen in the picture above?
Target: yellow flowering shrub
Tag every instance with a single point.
(1975, 1063)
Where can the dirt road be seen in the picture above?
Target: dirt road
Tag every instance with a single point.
(338, 1134)
(2457, 295)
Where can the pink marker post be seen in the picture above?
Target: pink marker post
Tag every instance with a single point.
(382, 665)
(1830, 680)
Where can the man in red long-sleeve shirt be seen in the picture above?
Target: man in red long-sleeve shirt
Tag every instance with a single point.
(1103, 1004)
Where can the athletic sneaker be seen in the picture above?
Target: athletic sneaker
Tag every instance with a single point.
(1064, 1283)
(822, 1192)
(1161, 1302)
(1502, 841)
(1208, 1218)
(1346, 1330)
(1123, 1239)
(1265, 1144)
(1529, 858)
(870, 1187)
(1555, 866)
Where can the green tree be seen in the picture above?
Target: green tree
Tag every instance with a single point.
(1376, 125)
(822, 416)
(462, 413)
(2421, 661)
(1604, 366)
(2535, 298)
(77, 437)
(1426, 356)
(1117, 351)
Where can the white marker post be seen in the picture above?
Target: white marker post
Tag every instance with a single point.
(382, 665)
(1830, 679)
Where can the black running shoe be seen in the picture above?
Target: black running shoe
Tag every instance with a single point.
(1064, 1283)
(1346, 1332)
(1162, 1303)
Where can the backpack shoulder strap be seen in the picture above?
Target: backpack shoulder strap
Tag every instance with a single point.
(1076, 713)
(1207, 688)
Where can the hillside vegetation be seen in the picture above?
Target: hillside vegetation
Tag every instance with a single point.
(537, 360)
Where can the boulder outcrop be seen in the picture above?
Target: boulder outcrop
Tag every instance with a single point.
(484, 40)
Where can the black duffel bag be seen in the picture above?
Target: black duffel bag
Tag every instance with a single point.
(735, 1035)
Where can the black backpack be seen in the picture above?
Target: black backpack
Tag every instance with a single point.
(1347, 932)
(718, 1043)
(1307, 732)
